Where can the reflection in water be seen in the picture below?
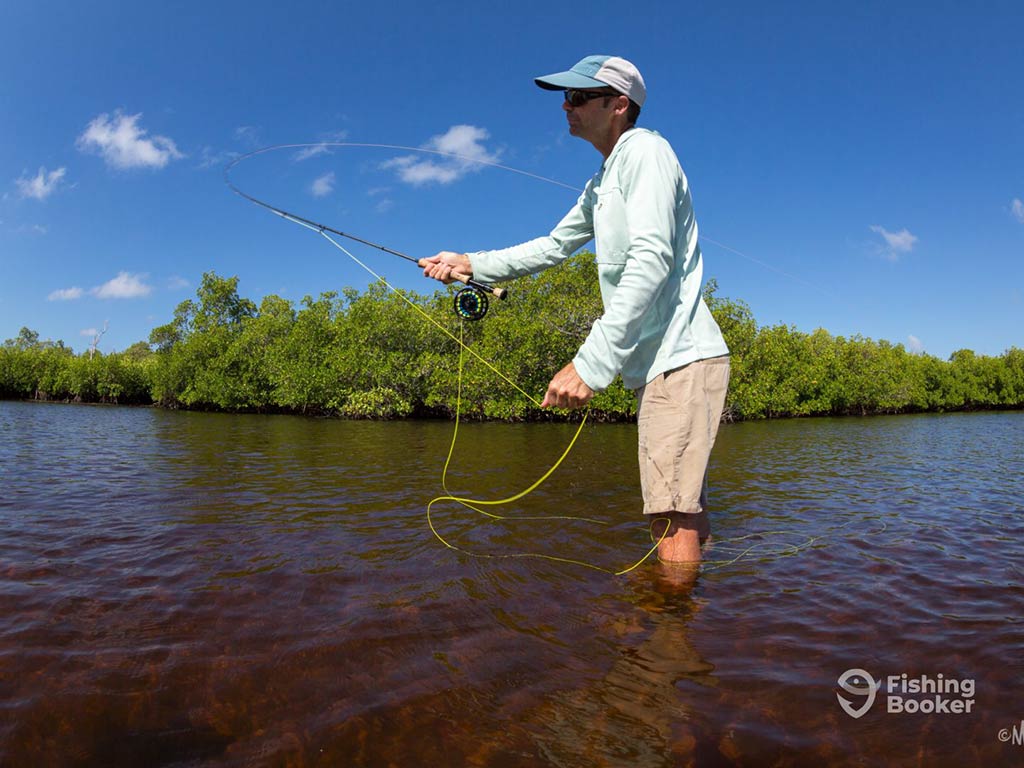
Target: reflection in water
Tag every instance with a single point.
(635, 714)
(201, 589)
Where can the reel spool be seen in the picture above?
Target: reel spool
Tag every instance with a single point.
(470, 304)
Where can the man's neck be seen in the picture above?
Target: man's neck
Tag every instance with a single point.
(607, 143)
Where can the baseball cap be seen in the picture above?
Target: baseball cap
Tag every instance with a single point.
(599, 72)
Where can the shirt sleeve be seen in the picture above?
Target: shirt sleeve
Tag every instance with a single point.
(650, 178)
(571, 233)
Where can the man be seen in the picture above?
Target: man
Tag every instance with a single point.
(656, 329)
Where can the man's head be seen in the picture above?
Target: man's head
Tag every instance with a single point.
(595, 74)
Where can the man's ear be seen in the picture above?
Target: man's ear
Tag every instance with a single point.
(623, 105)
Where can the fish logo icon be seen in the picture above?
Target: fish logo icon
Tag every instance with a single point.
(858, 682)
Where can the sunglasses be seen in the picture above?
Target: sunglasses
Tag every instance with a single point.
(577, 98)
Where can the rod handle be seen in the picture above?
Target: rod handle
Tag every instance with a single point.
(498, 293)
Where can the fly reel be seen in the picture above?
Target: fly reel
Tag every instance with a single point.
(470, 304)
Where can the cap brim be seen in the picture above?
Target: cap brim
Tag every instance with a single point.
(562, 80)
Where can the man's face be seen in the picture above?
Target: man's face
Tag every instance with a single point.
(592, 118)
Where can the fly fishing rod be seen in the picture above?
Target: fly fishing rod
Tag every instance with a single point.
(470, 304)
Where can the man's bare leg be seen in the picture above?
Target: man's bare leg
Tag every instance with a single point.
(681, 543)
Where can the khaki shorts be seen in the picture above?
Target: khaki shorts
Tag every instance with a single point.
(678, 416)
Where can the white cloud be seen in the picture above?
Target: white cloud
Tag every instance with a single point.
(384, 203)
(65, 294)
(462, 152)
(914, 344)
(123, 144)
(42, 185)
(210, 158)
(88, 332)
(248, 135)
(897, 242)
(325, 148)
(311, 151)
(124, 286)
(1018, 209)
(176, 283)
(323, 185)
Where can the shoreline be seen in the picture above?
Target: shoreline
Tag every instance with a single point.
(599, 417)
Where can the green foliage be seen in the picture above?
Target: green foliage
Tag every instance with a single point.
(300, 368)
(377, 403)
(382, 355)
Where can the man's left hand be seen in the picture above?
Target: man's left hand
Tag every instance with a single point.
(567, 390)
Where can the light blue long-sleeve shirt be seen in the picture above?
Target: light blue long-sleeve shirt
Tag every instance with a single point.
(638, 211)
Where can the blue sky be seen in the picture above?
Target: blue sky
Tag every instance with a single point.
(859, 170)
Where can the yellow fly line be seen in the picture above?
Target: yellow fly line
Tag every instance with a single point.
(475, 504)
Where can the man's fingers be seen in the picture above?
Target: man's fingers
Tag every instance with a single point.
(438, 271)
(440, 266)
(556, 399)
(567, 390)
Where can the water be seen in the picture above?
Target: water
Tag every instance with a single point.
(186, 589)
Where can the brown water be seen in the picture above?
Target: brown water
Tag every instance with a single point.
(183, 589)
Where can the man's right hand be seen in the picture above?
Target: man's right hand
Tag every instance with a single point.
(441, 266)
